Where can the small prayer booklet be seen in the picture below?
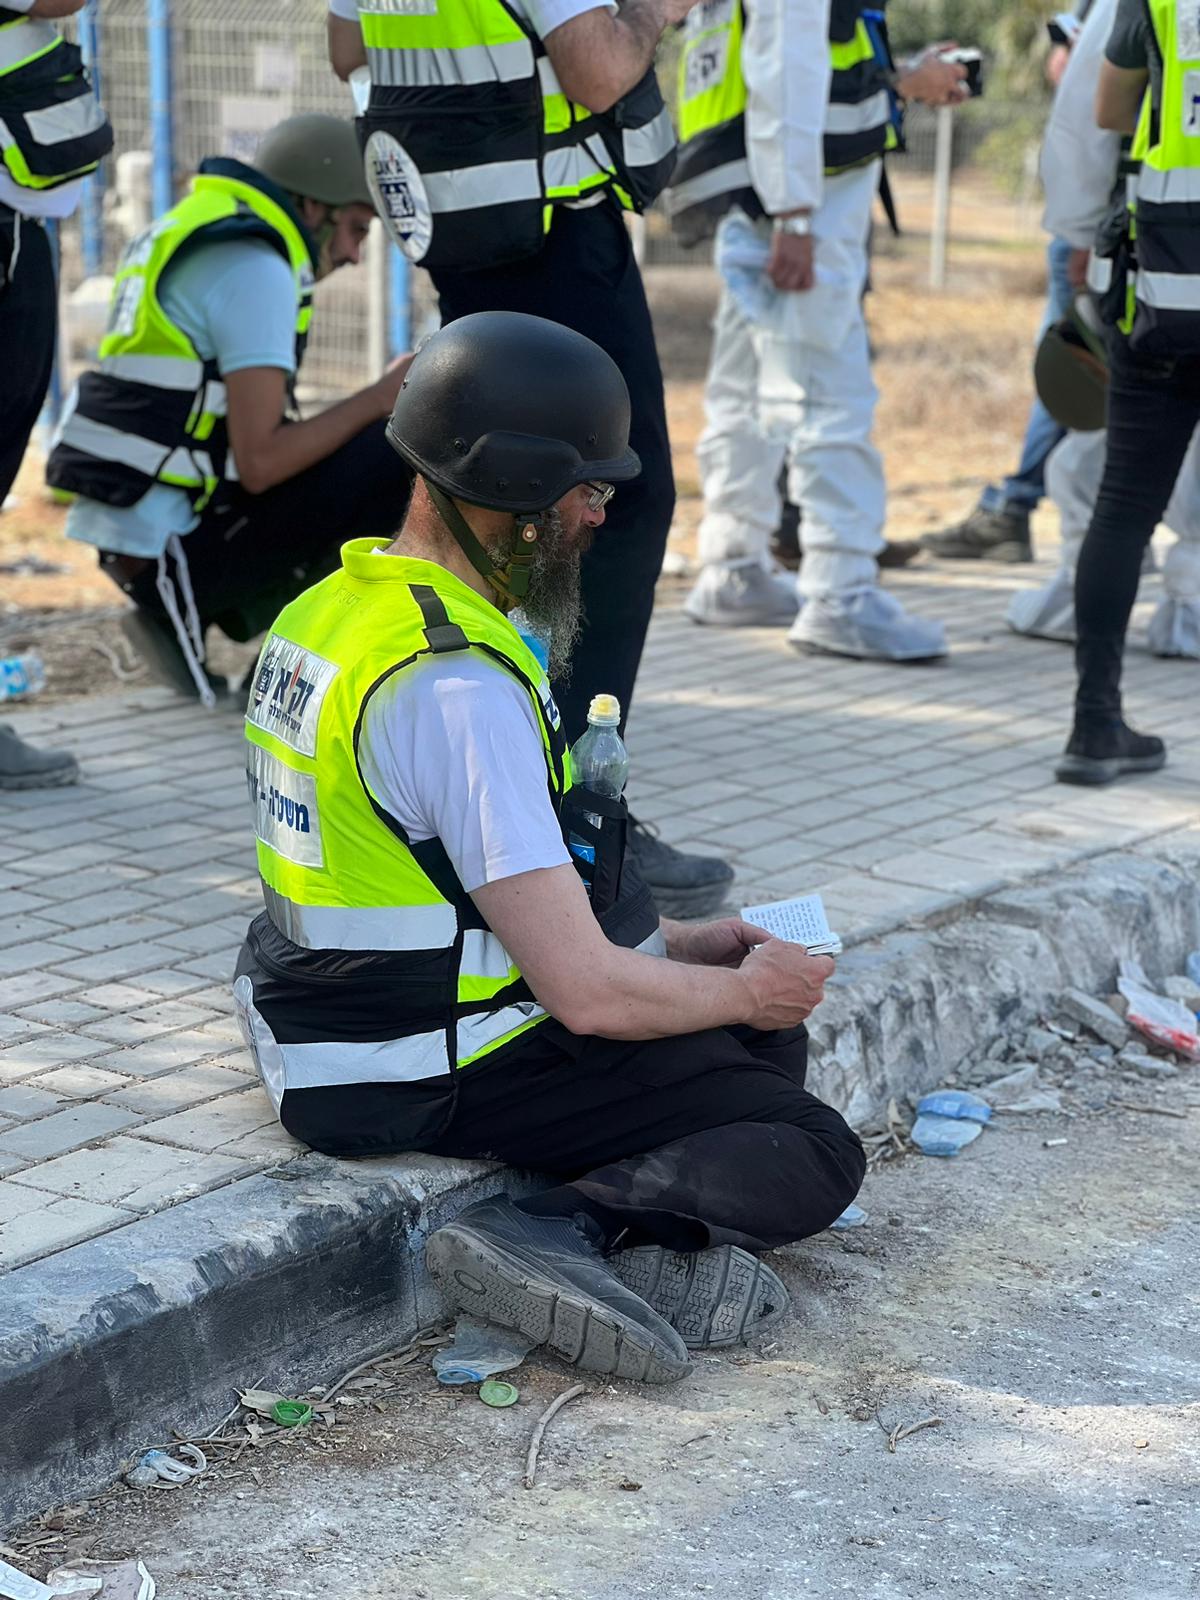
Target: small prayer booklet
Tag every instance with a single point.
(799, 921)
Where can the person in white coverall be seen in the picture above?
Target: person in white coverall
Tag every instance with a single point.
(1079, 173)
(790, 372)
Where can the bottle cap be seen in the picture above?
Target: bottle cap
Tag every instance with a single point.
(605, 709)
(495, 1392)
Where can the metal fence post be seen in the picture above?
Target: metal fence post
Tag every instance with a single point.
(162, 133)
(399, 302)
(943, 152)
(92, 210)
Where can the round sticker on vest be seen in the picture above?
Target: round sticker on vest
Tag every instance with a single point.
(399, 194)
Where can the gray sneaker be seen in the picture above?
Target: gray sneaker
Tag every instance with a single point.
(868, 625)
(742, 596)
(710, 1297)
(24, 767)
(544, 1277)
(983, 536)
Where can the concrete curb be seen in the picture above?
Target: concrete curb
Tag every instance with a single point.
(291, 1276)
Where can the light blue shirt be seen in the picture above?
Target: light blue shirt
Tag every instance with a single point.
(236, 301)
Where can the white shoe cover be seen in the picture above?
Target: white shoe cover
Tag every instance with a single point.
(1174, 628)
(868, 624)
(747, 595)
(1045, 613)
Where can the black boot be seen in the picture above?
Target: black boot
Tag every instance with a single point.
(1102, 746)
(984, 536)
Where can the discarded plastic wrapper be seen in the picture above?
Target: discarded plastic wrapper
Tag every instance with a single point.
(943, 1136)
(156, 1468)
(852, 1217)
(955, 1103)
(479, 1350)
(107, 1580)
(1167, 1022)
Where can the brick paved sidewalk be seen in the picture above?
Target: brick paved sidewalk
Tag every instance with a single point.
(897, 792)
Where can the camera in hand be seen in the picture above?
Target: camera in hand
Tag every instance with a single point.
(973, 61)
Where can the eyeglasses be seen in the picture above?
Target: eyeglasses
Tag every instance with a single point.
(601, 494)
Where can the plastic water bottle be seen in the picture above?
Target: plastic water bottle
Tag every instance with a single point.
(599, 762)
(21, 676)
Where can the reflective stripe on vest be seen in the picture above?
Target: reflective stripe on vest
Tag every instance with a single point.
(712, 172)
(482, 125)
(1163, 296)
(154, 411)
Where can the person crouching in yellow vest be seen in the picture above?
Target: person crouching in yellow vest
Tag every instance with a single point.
(209, 504)
(436, 969)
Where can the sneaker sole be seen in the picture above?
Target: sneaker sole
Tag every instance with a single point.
(710, 1297)
(689, 903)
(55, 778)
(1011, 554)
(1090, 771)
(481, 1279)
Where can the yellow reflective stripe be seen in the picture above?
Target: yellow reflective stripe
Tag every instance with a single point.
(449, 27)
(844, 57)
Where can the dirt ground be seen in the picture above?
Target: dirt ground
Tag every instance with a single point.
(1040, 1300)
(952, 369)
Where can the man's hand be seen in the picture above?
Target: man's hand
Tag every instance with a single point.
(790, 263)
(713, 944)
(786, 984)
(931, 80)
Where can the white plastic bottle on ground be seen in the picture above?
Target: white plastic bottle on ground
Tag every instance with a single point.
(599, 762)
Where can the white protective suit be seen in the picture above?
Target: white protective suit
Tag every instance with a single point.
(790, 373)
(1079, 166)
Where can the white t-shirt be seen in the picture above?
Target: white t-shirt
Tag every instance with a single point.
(451, 748)
(543, 16)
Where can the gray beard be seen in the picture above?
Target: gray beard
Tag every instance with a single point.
(552, 604)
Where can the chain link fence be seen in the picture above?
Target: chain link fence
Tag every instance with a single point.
(224, 71)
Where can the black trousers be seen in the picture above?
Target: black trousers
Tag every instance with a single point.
(585, 277)
(253, 553)
(28, 324)
(709, 1138)
(1153, 409)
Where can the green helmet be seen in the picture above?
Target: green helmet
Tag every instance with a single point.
(316, 157)
(1071, 368)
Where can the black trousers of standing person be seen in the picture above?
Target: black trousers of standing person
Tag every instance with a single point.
(1153, 410)
(28, 324)
(585, 277)
(253, 553)
(708, 1138)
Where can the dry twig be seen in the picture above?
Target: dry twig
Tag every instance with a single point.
(899, 1432)
(1151, 1111)
(543, 1422)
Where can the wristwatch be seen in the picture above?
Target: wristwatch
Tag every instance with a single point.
(800, 227)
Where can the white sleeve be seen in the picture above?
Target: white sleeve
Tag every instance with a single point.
(452, 750)
(544, 16)
(785, 61)
(346, 9)
(1079, 160)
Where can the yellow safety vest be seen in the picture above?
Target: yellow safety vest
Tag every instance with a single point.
(52, 129)
(370, 964)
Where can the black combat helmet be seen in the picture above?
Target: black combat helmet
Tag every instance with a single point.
(512, 412)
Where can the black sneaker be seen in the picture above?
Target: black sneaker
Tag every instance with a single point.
(682, 885)
(544, 1277)
(983, 536)
(710, 1297)
(1099, 752)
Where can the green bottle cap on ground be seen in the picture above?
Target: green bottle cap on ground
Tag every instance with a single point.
(494, 1392)
(291, 1413)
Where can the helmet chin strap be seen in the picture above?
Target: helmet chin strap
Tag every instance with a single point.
(510, 583)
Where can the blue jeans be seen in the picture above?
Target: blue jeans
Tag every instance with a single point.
(1022, 489)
